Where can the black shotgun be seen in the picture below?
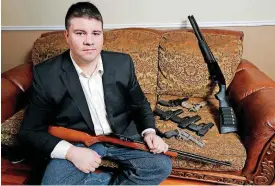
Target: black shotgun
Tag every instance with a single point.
(228, 122)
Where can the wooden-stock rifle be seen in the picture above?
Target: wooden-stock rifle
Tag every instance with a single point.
(78, 136)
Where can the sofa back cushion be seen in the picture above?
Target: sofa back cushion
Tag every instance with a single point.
(183, 71)
(140, 44)
(50, 44)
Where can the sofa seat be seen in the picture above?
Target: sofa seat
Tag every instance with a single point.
(224, 147)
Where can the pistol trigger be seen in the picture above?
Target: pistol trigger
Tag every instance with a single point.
(192, 109)
(186, 117)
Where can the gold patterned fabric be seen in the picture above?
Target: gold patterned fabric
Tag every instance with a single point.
(10, 129)
(142, 45)
(48, 46)
(182, 70)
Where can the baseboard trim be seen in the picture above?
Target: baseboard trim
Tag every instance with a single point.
(151, 25)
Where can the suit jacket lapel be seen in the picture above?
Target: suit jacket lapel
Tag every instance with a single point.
(108, 79)
(71, 80)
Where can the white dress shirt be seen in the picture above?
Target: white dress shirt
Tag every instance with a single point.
(93, 91)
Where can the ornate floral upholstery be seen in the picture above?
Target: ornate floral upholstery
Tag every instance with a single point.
(183, 71)
(48, 46)
(10, 129)
(142, 45)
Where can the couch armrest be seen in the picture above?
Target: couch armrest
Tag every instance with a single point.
(20, 75)
(15, 87)
(252, 95)
(247, 80)
(9, 93)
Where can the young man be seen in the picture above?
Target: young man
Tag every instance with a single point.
(97, 92)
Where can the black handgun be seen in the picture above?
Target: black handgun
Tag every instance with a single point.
(172, 103)
(205, 129)
(201, 129)
(166, 115)
(184, 122)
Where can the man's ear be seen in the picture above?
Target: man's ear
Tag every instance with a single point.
(66, 34)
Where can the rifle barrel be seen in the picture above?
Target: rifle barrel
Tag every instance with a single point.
(206, 52)
(200, 158)
(195, 28)
(176, 153)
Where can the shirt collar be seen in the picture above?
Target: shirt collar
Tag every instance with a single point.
(80, 71)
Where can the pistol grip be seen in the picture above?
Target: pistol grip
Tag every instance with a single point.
(171, 133)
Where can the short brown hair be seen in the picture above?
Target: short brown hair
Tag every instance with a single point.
(82, 9)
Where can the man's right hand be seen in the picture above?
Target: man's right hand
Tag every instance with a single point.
(84, 159)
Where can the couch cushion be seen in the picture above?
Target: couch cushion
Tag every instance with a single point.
(48, 45)
(10, 129)
(183, 71)
(142, 45)
(224, 147)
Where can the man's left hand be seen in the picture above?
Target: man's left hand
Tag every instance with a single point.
(155, 143)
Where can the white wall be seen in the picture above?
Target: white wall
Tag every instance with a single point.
(43, 15)
(142, 12)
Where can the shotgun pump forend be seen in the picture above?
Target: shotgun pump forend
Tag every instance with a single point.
(227, 116)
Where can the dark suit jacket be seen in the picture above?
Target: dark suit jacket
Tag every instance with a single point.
(57, 98)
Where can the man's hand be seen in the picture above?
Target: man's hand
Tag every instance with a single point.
(84, 159)
(155, 143)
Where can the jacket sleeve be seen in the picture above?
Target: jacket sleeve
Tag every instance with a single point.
(138, 102)
(38, 114)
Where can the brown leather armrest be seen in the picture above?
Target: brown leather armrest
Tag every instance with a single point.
(15, 85)
(20, 75)
(252, 96)
(245, 64)
(9, 93)
(247, 80)
(256, 119)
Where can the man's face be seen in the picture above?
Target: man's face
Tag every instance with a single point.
(85, 38)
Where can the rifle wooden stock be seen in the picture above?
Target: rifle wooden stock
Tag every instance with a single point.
(82, 137)
(77, 136)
